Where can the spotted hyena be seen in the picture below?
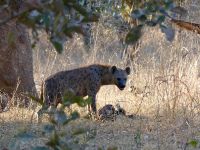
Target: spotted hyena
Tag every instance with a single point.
(85, 81)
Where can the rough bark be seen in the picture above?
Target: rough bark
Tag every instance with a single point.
(16, 62)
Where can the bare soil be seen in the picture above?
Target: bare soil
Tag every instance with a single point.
(125, 133)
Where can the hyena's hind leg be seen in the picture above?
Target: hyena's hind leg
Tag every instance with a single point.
(44, 108)
(92, 107)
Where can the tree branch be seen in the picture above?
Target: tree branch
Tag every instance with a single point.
(14, 16)
(26, 6)
(194, 27)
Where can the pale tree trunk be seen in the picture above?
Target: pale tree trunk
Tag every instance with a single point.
(16, 62)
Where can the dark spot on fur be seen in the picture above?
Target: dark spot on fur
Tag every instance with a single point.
(62, 77)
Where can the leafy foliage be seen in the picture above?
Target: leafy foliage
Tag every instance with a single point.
(140, 14)
(137, 138)
(57, 138)
(193, 143)
(59, 18)
(134, 35)
(149, 13)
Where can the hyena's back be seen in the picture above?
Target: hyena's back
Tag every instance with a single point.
(56, 85)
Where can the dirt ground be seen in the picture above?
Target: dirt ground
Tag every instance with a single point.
(125, 133)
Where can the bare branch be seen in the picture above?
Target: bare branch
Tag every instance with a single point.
(25, 7)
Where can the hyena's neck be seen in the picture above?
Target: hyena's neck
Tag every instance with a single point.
(106, 75)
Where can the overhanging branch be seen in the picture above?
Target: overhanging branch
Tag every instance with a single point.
(194, 27)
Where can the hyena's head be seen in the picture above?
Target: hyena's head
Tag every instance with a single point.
(120, 76)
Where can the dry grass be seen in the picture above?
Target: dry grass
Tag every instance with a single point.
(163, 92)
(139, 132)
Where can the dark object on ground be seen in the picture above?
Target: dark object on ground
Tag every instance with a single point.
(119, 110)
(106, 113)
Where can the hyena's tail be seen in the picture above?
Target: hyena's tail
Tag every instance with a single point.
(37, 99)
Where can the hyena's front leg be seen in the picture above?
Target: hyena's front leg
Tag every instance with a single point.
(92, 107)
(93, 104)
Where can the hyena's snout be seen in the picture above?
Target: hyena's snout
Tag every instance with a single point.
(121, 83)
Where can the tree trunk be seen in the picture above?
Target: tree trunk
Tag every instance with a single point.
(16, 62)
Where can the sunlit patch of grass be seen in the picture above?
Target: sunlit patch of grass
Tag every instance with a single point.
(162, 95)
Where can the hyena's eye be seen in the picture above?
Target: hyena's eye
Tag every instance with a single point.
(125, 79)
(118, 79)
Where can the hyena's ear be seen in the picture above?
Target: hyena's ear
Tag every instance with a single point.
(113, 69)
(128, 70)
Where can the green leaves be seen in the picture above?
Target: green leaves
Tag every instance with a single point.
(160, 19)
(169, 32)
(24, 19)
(60, 117)
(193, 143)
(137, 138)
(54, 141)
(91, 18)
(68, 31)
(46, 17)
(169, 4)
(133, 35)
(57, 44)
(150, 13)
(48, 128)
(74, 115)
(139, 14)
(57, 139)
(60, 19)
(70, 98)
